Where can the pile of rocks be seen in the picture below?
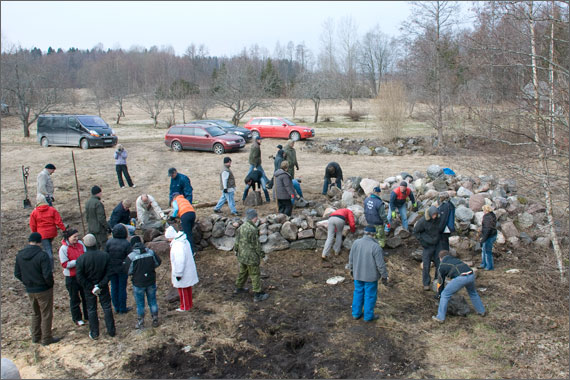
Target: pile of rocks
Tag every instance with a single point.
(401, 146)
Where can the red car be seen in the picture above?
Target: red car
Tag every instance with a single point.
(278, 127)
(202, 137)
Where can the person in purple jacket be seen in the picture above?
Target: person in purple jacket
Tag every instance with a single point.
(121, 166)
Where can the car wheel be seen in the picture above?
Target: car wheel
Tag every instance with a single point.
(254, 134)
(84, 144)
(219, 148)
(295, 136)
(176, 146)
(44, 142)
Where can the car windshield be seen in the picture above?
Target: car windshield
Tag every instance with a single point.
(215, 131)
(92, 121)
(289, 122)
(223, 123)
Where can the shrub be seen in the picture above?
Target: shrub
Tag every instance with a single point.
(355, 115)
(390, 109)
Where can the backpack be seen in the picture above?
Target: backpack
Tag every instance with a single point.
(451, 218)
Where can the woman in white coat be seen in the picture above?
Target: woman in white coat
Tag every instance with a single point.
(184, 274)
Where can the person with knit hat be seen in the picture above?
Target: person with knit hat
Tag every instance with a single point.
(367, 266)
(228, 187)
(249, 255)
(121, 166)
(426, 230)
(71, 249)
(96, 217)
(45, 184)
(398, 199)
(333, 170)
(46, 220)
(34, 270)
(92, 274)
(375, 214)
(184, 274)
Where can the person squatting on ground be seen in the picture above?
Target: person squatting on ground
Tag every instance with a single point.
(284, 190)
(149, 213)
(337, 220)
(255, 158)
(184, 209)
(446, 220)
(228, 187)
(122, 214)
(142, 263)
(34, 270)
(118, 248)
(461, 276)
(121, 166)
(333, 170)
(375, 214)
(253, 178)
(291, 157)
(366, 264)
(96, 217)
(488, 237)
(426, 231)
(92, 273)
(71, 249)
(45, 184)
(46, 220)
(249, 255)
(398, 198)
(184, 274)
(179, 183)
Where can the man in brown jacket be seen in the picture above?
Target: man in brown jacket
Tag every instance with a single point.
(96, 217)
(255, 159)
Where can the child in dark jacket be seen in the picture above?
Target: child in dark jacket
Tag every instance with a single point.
(118, 249)
(142, 263)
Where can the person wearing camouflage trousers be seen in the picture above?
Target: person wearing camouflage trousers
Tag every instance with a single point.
(249, 254)
(375, 214)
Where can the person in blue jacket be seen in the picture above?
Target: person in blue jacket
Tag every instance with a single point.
(375, 214)
(179, 183)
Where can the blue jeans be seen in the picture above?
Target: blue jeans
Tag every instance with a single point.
(487, 253)
(468, 282)
(46, 246)
(260, 168)
(297, 187)
(328, 182)
(229, 196)
(119, 292)
(139, 294)
(365, 294)
(403, 216)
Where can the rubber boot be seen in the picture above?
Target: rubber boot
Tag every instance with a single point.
(140, 323)
(258, 297)
(155, 320)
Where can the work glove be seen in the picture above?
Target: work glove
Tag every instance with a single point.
(393, 214)
(388, 225)
(96, 290)
(225, 191)
(178, 278)
(385, 281)
(415, 206)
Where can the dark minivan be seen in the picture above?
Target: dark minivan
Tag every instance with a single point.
(86, 131)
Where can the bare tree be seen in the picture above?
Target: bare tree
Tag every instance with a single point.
(375, 57)
(315, 86)
(348, 56)
(294, 95)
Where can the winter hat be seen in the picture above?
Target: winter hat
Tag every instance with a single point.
(433, 211)
(35, 237)
(95, 190)
(279, 146)
(135, 239)
(377, 189)
(370, 229)
(170, 233)
(50, 166)
(89, 240)
(250, 214)
(171, 171)
(227, 159)
(404, 183)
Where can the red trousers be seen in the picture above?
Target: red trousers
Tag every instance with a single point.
(185, 298)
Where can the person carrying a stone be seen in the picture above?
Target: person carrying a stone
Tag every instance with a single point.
(118, 248)
(92, 274)
(121, 166)
(426, 231)
(333, 170)
(375, 214)
(184, 209)
(249, 255)
(179, 183)
(461, 276)
(284, 191)
(71, 249)
(96, 217)
(122, 214)
(367, 266)
(291, 157)
(183, 267)
(488, 237)
(46, 220)
(149, 213)
(228, 187)
(45, 184)
(446, 220)
(398, 199)
(337, 220)
(142, 263)
(34, 269)
(255, 177)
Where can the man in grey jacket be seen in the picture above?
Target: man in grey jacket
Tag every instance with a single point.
(45, 184)
(366, 263)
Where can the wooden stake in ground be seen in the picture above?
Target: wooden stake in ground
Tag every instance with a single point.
(77, 188)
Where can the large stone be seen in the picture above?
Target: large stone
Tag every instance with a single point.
(263, 238)
(476, 202)
(514, 241)
(304, 234)
(320, 233)
(334, 192)
(393, 242)
(205, 224)
(542, 242)
(161, 248)
(525, 220)
(301, 202)
(289, 231)
(510, 185)
(297, 221)
(328, 212)
(401, 232)
(347, 198)
(417, 255)
(172, 296)
(525, 238)
(500, 238)
(509, 230)
(463, 192)
(382, 151)
(368, 185)
(348, 241)
(479, 217)
(500, 202)
(430, 194)
(275, 242)
(277, 218)
(275, 227)
(463, 214)
(357, 210)
(391, 180)
(434, 171)
(253, 199)
(150, 234)
(219, 229)
(458, 306)
(224, 243)
(454, 241)
(304, 244)
(439, 184)
(501, 214)
(364, 151)
(413, 218)
(535, 207)
(354, 183)
(230, 230)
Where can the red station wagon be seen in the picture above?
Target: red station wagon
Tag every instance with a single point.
(278, 127)
(202, 137)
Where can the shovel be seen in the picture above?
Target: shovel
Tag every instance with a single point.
(25, 174)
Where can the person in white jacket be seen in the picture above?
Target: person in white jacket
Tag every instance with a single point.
(149, 213)
(184, 274)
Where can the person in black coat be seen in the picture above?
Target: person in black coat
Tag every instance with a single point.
(426, 231)
(93, 275)
(118, 249)
(488, 237)
(446, 226)
(122, 214)
(255, 177)
(333, 170)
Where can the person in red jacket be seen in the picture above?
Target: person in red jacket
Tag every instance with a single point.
(337, 220)
(70, 250)
(46, 220)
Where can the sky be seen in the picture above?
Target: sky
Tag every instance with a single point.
(224, 27)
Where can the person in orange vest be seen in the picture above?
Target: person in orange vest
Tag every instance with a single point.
(398, 199)
(182, 208)
(337, 220)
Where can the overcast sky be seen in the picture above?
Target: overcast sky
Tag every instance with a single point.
(224, 27)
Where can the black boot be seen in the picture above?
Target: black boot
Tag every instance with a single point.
(261, 296)
(155, 320)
